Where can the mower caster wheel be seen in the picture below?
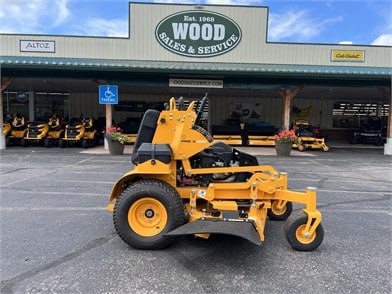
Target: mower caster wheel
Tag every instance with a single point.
(301, 147)
(298, 239)
(280, 210)
(146, 211)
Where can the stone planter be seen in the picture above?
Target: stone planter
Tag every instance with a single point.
(283, 148)
(115, 147)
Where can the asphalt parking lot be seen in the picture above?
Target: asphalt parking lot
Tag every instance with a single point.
(58, 237)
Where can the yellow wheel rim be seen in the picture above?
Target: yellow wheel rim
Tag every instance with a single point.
(300, 235)
(147, 217)
(278, 207)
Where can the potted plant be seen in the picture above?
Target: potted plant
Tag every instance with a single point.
(284, 141)
(116, 140)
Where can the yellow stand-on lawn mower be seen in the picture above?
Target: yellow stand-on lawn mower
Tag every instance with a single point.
(306, 137)
(79, 132)
(184, 182)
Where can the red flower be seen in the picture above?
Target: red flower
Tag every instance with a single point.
(286, 136)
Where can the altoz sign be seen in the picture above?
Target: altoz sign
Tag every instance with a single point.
(198, 33)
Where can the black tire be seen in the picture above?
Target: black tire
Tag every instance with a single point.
(84, 143)
(23, 142)
(379, 142)
(298, 241)
(353, 140)
(47, 142)
(279, 213)
(146, 211)
(62, 143)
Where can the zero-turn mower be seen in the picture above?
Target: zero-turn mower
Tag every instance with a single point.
(306, 137)
(185, 183)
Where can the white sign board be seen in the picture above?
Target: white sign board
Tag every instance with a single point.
(37, 46)
(194, 83)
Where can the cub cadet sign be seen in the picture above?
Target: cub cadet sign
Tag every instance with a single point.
(198, 33)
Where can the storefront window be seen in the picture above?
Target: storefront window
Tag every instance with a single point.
(45, 105)
(353, 115)
(15, 103)
(48, 104)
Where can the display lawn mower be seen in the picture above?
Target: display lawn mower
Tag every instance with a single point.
(307, 137)
(36, 133)
(6, 129)
(56, 132)
(183, 182)
(18, 131)
(79, 132)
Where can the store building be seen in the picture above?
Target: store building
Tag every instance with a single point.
(189, 50)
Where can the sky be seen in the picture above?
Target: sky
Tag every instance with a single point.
(358, 22)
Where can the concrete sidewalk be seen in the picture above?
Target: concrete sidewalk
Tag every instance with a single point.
(256, 150)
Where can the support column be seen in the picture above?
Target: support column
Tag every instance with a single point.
(287, 95)
(108, 122)
(31, 106)
(3, 86)
(388, 145)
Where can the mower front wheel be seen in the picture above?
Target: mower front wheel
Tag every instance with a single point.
(280, 210)
(301, 147)
(146, 211)
(297, 236)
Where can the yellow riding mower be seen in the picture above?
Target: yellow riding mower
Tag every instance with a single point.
(184, 182)
(6, 129)
(56, 132)
(307, 137)
(18, 131)
(36, 133)
(79, 132)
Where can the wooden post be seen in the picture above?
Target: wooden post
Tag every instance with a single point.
(388, 146)
(3, 86)
(287, 95)
(108, 122)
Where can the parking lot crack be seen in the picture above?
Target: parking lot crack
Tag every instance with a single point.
(8, 286)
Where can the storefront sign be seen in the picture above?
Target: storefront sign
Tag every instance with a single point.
(198, 33)
(193, 83)
(37, 46)
(346, 55)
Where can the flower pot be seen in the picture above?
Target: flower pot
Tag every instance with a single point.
(115, 147)
(283, 148)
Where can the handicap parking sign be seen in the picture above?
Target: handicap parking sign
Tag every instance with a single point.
(108, 94)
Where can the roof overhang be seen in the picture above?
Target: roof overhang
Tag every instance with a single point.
(233, 73)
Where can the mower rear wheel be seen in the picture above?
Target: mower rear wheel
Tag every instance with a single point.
(297, 237)
(146, 211)
(280, 210)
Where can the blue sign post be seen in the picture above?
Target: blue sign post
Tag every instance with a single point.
(108, 94)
